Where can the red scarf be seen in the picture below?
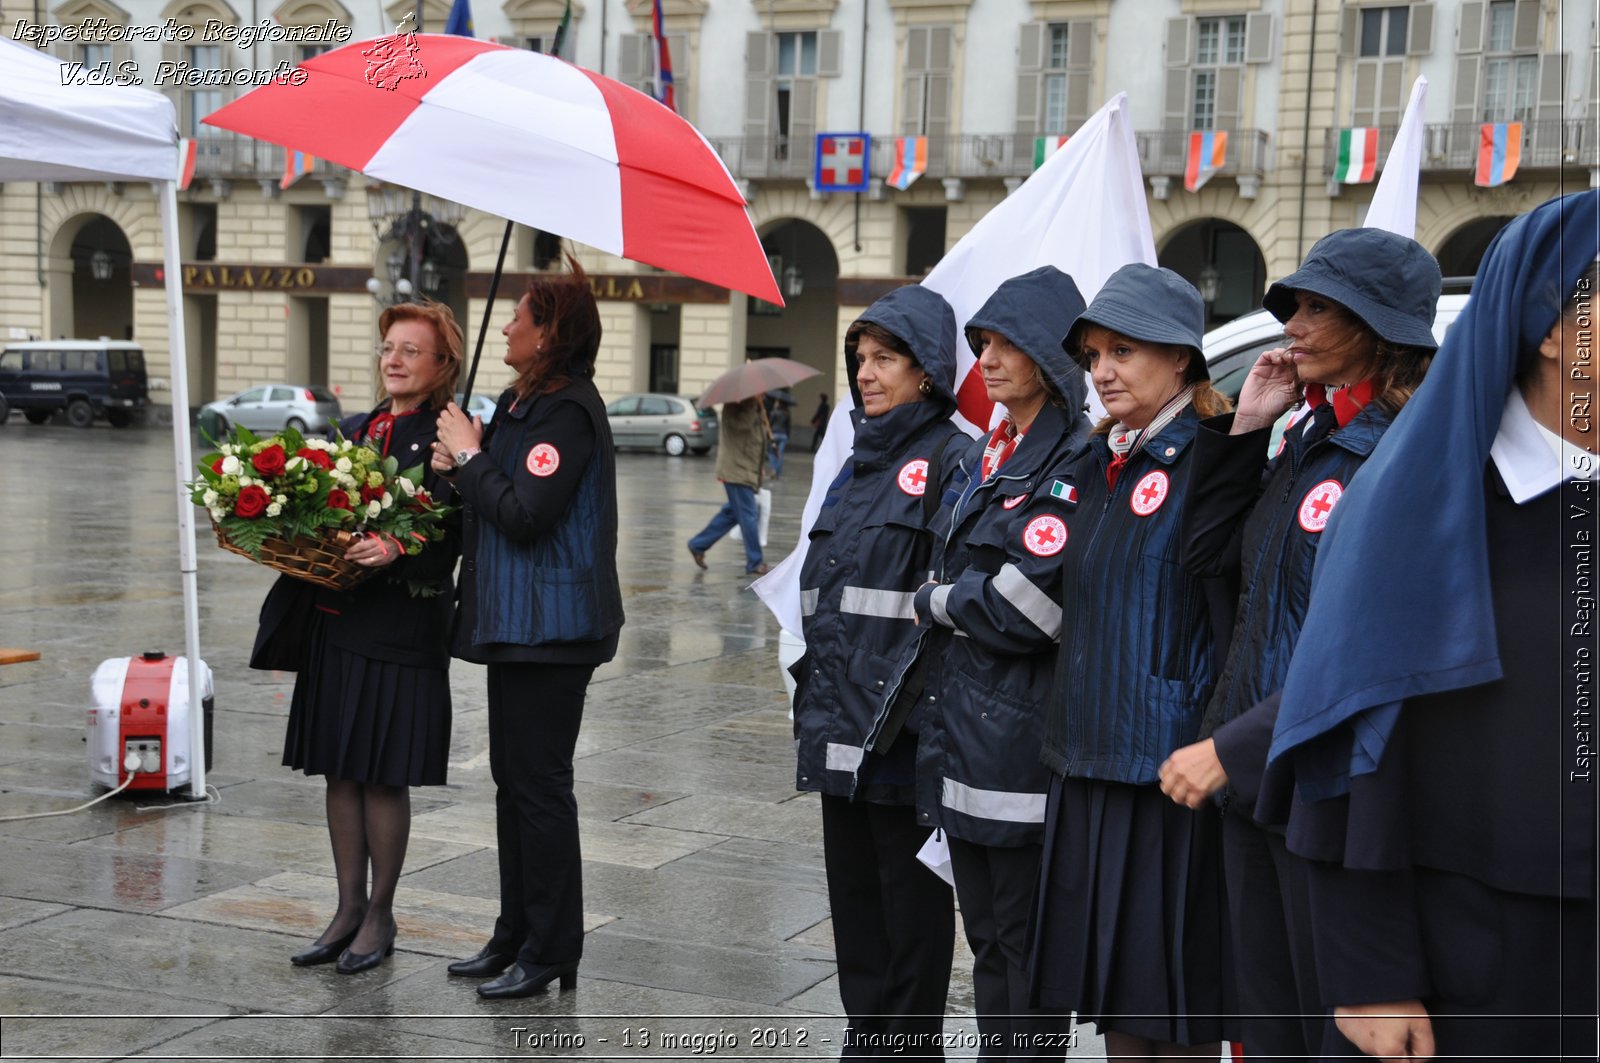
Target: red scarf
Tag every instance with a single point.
(381, 427)
(1347, 401)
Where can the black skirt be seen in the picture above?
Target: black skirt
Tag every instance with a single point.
(365, 720)
(1130, 923)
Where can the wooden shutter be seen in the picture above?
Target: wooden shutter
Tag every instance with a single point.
(172, 52)
(938, 128)
(1030, 69)
(913, 98)
(758, 102)
(633, 60)
(682, 68)
(1230, 86)
(1464, 105)
(1419, 30)
(803, 120)
(1525, 27)
(1552, 90)
(1258, 37)
(1349, 31)
(830, 57)
(1080, 72)
(1391, 79)
(1469, 39)
(1366, 94)
(1175, 100)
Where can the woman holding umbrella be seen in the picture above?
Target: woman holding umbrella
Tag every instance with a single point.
(893, 920)
(993, 612)
(540, 604)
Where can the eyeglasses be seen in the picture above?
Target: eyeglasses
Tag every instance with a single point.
(409, 351)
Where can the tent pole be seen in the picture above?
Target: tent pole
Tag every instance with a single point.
(183, 456)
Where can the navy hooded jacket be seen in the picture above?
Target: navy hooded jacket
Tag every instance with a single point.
(868, 553)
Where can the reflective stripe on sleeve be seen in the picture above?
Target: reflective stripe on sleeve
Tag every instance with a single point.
(892, 605)
(1028, 600)
(808, 601)
(993, 804)
(936, 603)
(843, 758)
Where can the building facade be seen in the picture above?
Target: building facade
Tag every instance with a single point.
(286, 284)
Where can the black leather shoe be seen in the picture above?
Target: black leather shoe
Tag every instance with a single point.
(356, 962)
(526, 979)
(486, 964)
(323, 953)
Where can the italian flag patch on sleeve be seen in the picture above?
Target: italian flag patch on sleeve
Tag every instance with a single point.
(1064, 491)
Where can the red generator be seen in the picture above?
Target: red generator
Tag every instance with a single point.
(139, 721)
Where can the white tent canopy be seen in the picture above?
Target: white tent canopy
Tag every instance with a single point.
(55, 132)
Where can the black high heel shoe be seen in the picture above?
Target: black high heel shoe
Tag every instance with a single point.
(526, 979)
(356, 962)
(323, 953)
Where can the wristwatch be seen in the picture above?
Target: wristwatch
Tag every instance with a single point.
(464, 456)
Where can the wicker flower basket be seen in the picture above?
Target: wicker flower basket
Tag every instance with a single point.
(320, 561)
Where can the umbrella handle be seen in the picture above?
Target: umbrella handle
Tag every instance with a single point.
(483, 327)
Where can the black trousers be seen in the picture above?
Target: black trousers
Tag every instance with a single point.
(1269, 911)
(996, 887)
(534, 714)
(894, 928)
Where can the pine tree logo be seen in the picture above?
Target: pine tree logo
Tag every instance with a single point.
(392, 59)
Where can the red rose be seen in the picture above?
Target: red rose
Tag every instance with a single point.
(371, 494)
(270, 462)
(423, 496)
(216, 466)
(319, 458)
(337, 499)
(252, 502)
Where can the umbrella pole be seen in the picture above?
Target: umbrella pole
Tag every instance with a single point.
(483, 327)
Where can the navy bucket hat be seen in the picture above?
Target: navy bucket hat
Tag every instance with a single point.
(1387, 280)
(1150, 304)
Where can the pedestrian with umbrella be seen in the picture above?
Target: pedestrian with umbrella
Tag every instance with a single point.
(741, 450)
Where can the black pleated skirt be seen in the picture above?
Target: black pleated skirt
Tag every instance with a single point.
(365, 720)
(1130, 927)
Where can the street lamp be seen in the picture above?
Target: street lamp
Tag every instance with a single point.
(100, 265)
(419, 223)
(1210, 280)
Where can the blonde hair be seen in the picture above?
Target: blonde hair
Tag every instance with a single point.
(448, 348)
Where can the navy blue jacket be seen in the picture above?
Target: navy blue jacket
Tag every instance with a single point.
(539, 565)
(1261, 533)
(1136, 665)
(868, 553)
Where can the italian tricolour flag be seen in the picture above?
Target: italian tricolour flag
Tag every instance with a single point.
(1358, 156)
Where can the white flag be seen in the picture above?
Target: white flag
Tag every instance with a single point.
(1083, 212)
(1394, 201)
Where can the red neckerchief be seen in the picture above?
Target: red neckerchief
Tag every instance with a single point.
(1347, 401)
(1002, 444)
(381, 426)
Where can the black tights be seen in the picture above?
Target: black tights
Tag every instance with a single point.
(369, 824)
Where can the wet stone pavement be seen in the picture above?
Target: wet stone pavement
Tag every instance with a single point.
(150, 927)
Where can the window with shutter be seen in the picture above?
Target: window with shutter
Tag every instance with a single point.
(1510, 68)
(1382, 39)
(1175, 98)
(1217, 72)
(925, 108)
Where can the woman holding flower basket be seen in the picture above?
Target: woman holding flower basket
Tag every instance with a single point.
(541, 606)
(371, 705)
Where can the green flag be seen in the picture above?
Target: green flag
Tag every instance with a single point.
(561, 31)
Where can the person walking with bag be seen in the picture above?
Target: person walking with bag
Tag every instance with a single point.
(541, 605)
(741, 449)
(893, 919)
(993, 610)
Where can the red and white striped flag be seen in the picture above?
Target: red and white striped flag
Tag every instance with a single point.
(186, 156)
(1358, 156)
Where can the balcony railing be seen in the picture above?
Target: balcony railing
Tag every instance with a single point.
(1550, 144)
(229, 156)
(972, 156)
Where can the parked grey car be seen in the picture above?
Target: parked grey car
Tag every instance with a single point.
(272, 408)
(662, 422)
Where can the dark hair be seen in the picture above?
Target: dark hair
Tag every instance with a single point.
(1400, 369)
(564, 305)
(873, 330)
(447, 340)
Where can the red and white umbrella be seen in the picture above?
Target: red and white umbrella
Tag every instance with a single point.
(525, 136)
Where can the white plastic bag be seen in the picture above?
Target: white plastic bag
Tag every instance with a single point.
(763, 517)
(935, 853)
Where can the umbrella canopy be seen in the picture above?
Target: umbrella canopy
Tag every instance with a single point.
(755, 378)
(524, 136)
(55, 132)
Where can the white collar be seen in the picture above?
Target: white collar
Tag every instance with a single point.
(1532, 459)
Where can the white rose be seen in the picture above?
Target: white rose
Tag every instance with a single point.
(209, 498)
(374, 509)
(245, 481)
(294, 464)
(319, 444)
(217, 512)
(407, 488)
(388, 500)
(230, 465)
(274, 509)
(343, 465)
(281, 500)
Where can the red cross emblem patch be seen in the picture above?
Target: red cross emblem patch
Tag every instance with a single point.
(1014, 501)
(1149, 493)
(1317, 506)
(544, 459)
(913, 478)
(1045, 536)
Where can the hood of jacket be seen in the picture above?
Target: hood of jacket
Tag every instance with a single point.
(1034, 311)
(919, 316)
